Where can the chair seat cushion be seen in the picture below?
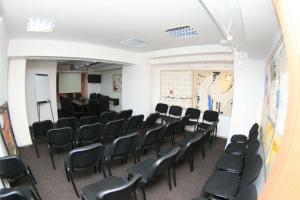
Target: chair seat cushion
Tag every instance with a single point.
(169, 119)
(90, 192)
(238, 139)
(236, 148)
(230, 163)
(143, 168)
(205, 125)
(222, 184)
(166, 150)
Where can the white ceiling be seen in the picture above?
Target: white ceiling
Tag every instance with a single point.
(112, 21)
(109, 22)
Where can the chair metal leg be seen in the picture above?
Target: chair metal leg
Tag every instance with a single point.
(109, 170)
(103, 169)
(73, 183)
(157, 150)
(95, 169)
(31, 175)
(143, 191)
(174, 175)
(169, 179)
(33, 196)
(134, 157)
(192, 163)
(138, 152)
(67, 174)
(51, 157)
(36, 149)
(34, 188)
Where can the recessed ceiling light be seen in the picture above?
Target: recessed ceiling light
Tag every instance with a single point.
(134, 42)
(40, 25)
(182, 32)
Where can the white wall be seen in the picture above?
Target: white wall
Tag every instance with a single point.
(136, 89)
(3, 73)
(17, 103)
(248, 95)
(41, 67)
(107, 88)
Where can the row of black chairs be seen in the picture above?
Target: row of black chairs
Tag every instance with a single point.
(237, 169)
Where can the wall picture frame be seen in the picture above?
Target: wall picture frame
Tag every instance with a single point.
(117, 82)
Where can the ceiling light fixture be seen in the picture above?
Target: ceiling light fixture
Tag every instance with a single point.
(182, 32)
(134, 42)
(40, 25)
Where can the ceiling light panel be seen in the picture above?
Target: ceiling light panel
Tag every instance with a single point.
(40, 25)
(182, 32)
(134, 42)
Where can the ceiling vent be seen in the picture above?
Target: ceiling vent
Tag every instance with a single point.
(40, 25)
(134, 42)
(182, 32)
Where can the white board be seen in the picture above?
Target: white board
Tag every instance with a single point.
(69, 82)
(42, 87)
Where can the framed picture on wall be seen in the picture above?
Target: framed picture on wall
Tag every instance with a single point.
(7, 132)
(117, 82)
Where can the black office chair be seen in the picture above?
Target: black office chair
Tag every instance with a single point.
(240, 148)
(112, 188)
(17, 193)
(120, 149)
(234, 164)
(169, 131)
(68, 122)
(103, 105)
(88, 120)
(194, 115)
(59, 139)
(113, 129)
(183, 122)
(124, 114)
(187, 150)
(227, 185)
(134, 123)
(68, 109)
(247, 193)
(99, 96)
(243, 138)
(93, 96)
(40, 130)
(149, 140)
(107, 117)
(173, 115)
(149, 122)
(210, 119)
(84, 158)
(161, 109)
(12, 168)
(151, 169)
(93, 107)
(89, 134)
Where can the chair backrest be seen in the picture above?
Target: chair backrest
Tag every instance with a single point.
(107, 117)
(135, 122)
(99, 96)
(253, 128)
(251, 170)
(88, 120)
(152, 136)
(90, 133)
(103, 105)
(253, 135)
(93, 96)
(60, 136)
(183, 122)
(122, 146)
(13, 194)
(124, 114)
(113, 128)
(68, 122)
(252, 149)
(85, 157)
(11, 167)
(93, 107)
(66, 106)
(161, 108)
(164, 162)
(247, 193)
(210, 116)
(194, 113)
(41, 128)
(175, 111)
(151, 119)
(123, 192)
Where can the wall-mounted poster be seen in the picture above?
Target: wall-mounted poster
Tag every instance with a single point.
(7, 132)
(275, 105)
(117, 82)
(202, 89)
